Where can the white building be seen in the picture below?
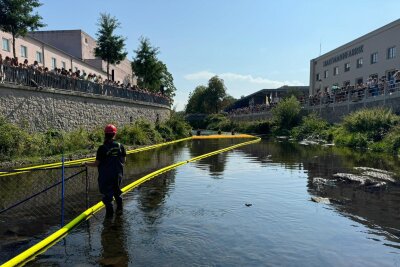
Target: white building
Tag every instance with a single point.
(373, 55)
(68, 49)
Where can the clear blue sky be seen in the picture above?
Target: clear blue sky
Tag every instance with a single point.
(251, 44)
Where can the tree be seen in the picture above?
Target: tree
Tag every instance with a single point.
(208, 99)
(227, 101)
(110, 47)
(167, 82)
(152, 73)
(216, 92)
(16, 18)
(196, 102)
(287, 114)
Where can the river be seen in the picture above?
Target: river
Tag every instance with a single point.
(248, 207)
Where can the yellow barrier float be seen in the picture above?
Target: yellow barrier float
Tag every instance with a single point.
(51, 240)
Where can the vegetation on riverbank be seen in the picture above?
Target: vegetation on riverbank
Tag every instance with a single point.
(18, 143)
(376, 129)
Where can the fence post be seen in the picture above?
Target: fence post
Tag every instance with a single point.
(87, 187)
(62, 190)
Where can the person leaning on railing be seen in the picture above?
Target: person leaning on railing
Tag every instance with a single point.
(15, 69)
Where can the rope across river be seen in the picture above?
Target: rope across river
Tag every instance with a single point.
(51, 240)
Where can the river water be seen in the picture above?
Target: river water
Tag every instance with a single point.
(247, 207)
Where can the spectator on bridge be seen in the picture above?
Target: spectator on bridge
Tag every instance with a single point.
(110, 159)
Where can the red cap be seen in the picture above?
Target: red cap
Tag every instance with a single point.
(110, 129)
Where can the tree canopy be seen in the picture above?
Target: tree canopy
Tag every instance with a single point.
(209, 99)
(152, 73)
(110, 47)
(17, 17)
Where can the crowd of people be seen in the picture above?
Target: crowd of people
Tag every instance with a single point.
(373, 87)
(252, 109)
(36, 68)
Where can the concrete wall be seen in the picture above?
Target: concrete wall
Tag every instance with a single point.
(334, 112)
(262, 116)
(44, 109)
(68, 41)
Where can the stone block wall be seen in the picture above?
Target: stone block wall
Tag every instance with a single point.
(43, 109)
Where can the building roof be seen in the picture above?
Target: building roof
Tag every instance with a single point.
(264, 92)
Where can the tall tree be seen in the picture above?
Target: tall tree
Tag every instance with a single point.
(209, 99)
(17, 18)
(216, 92)
(196, 102)
(110, 47)
(152, 73)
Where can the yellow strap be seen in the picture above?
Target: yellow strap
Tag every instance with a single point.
(51, 240)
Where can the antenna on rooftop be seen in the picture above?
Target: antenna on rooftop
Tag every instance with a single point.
(320, 46)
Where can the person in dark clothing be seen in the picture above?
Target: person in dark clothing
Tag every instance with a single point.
(110, 159)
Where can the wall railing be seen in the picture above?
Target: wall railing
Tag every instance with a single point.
(32, 78)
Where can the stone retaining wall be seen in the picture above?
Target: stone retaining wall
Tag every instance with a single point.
(43, 109)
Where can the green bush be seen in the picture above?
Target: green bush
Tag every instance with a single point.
(310, 125)
(138, 133)
(12, 139)
(375, 123)
(217, 122)
(180, 128)
(391, 141)
(286, 114)
(342, 137)
(257, 127)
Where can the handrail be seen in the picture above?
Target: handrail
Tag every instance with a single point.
(32, 78)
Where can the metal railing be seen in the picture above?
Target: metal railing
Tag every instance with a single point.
(355, 94)
(30, 77)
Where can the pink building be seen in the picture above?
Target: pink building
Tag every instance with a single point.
(69, 49)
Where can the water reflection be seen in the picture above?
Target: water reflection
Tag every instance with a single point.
(379, 210)
(215, 164)
(113, 242)
(152, 195)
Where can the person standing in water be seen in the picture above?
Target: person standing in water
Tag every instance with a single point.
(110, 159)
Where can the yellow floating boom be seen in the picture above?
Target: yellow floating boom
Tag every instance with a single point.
(51, 240)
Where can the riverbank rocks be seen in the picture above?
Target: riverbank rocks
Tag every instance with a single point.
(322, 200)
(322, 181)
(312, 140)
(361, 180)
(377, 174)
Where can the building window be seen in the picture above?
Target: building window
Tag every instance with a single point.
(336, 71)
(6, 45)
(347, 67)
(317, 78)
(326, 74)
(391, 52)
(63, 64)
(53, 63)
(39, 57)
(374, 58)
(24, 51)
(346, 83)
(359, 63)
(359, 81)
